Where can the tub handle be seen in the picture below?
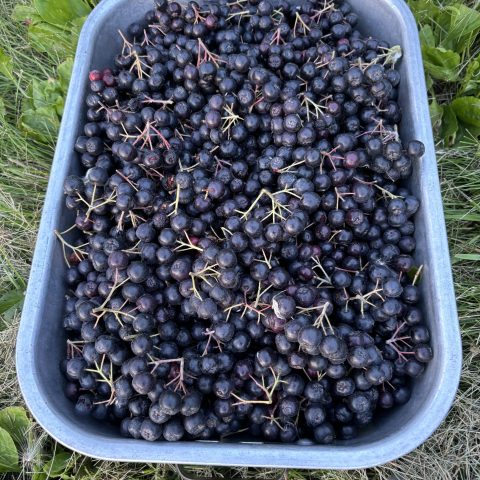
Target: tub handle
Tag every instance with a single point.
(184, 475)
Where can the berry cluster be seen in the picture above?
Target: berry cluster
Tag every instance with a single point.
(243, 255)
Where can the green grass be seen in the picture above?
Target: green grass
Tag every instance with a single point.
(453, 452)
(24, 165)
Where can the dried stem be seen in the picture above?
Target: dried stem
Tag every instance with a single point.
(205, 55)
(205, 274)
(103, 378)
(307, 102)
(386, 192)
(317, 14)
(248, 307)
(299, 22)
(417, 274)
(277, 208)
(230, 119)
(326, 280)
(365, 298)
(176, 202)
(186, 246)
(179, 379)
(77, 250)
(395, 338)
(268, 391)
(211, 335)
(102, 310)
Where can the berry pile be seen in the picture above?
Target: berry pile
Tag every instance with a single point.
(243, 255)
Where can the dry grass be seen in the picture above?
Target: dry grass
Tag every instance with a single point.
(10, 391)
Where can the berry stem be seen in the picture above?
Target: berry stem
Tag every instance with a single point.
(77, 251)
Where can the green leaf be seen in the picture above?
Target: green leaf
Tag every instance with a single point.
(44, 94)
(22, 13)
(78, 22)
(471, 80)
(50, 39)
(9, 300)
(424, 10)
(463, 28)
(467, 135)
(64, 72)
(43, 105)
(61, 12)
(449, 125)
(8, 453)
(6, 65)
(440, 63)
(426, 36)
(436, 115)
(41, 124)
(54, 25)
(76, 27)
(58, 464)
(15, 421)
(41, 94)
(429, 81)
(467, 110)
